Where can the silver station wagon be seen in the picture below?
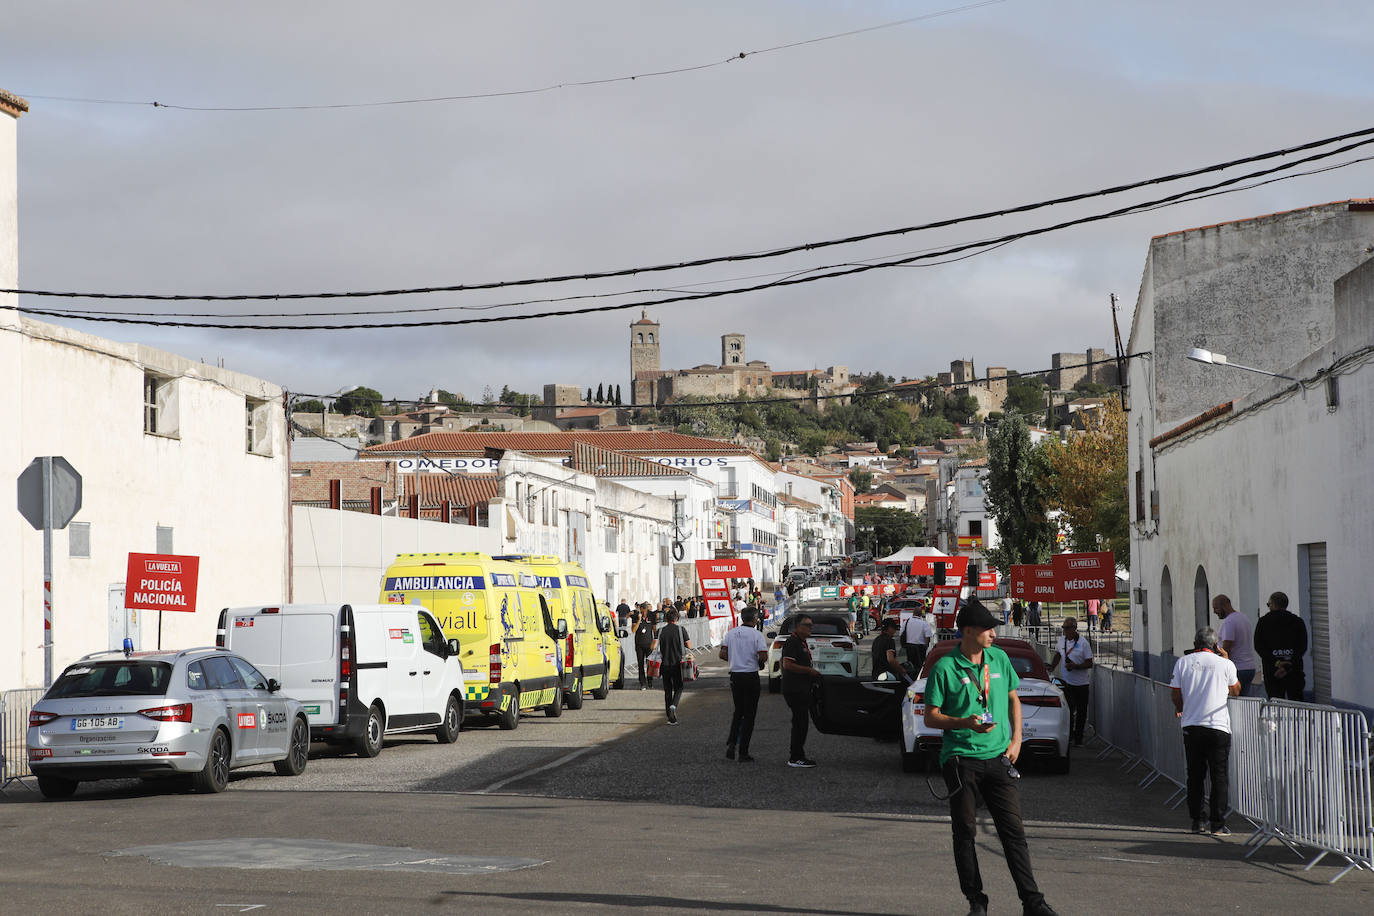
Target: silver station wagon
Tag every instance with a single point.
(194, 713)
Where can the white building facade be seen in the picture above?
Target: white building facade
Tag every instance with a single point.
(1245, 485)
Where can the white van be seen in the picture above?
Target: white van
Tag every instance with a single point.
(361, 671)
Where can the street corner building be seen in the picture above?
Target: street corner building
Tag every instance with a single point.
(1243, 483)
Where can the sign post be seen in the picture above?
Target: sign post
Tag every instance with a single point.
(49, 497)
(161, 582)
(715, 576)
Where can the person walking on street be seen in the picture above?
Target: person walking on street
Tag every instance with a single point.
(1281, 642)
(916, 635)
(797, 678)
(622, 614)
(672, 648)
(971, 697)
(644, 644)
(1202, 681)
(1033, 614)
(747, 651)
(1076, 656)
(1235, 637)
(1093, 604)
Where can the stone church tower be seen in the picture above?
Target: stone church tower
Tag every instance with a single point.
(644, 357)
(732, 350)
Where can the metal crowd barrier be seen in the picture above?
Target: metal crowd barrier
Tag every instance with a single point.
(1299, 772)
(14, 729)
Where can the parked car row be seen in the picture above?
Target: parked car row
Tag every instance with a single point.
(454, 635)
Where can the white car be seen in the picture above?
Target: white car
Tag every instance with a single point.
(833, 650)
(1044, 713)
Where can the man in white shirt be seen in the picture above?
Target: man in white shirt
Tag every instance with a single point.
(1237, 639)
(916, 635)
(1076, 657)
(746, 650)
(1203, 681)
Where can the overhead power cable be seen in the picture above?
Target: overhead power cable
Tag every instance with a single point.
(537, 90)
(747, 256)
(1178, 197)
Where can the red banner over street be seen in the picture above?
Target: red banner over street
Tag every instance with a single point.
(1033, 582)
(955, 567)
(161, 582)
(715, 576)
(1084, 575)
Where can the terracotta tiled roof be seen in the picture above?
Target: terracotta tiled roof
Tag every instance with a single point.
(796, 501)
(603, 462)
(668, 443)
(459, 489)
(12, 103)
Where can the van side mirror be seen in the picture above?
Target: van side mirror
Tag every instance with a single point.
(603, 623)
(454, 647)
(273, 685)
(562, 628)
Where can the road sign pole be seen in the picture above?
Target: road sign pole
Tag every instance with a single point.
(47, 571)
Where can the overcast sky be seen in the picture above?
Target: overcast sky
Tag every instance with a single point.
(1006, 104)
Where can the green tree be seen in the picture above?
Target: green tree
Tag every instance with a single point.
(600, 395)
(772, 448)
(812, 443)
(886, 531)
(1025, 394)
(927, 430)
(861, 478)
(311, 406)
(1018, 495)
(589, 394)
(1088, 483)
(362, 402)
(449, 399)
(618, 402)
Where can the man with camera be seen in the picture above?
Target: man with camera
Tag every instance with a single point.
(971, 696)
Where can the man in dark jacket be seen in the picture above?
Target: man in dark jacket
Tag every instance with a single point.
(1280, 642)
(672, 648)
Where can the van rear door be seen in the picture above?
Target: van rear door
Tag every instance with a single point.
(309, 664)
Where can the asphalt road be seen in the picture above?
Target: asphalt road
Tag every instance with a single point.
(609, 809)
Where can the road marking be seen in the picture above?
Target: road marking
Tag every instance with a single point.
(1131, 861)
(244, 907)
(318, 855)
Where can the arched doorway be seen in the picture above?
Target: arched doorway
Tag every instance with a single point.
(1202, 599)
(1166, 622)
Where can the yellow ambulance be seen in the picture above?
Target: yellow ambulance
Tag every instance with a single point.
(591, 651)
(510, 640)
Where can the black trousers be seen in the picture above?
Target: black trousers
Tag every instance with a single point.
(1078, 709)
(917, 656)
(643, 656)
(745, 689)
(672, 684)
(1207, 751)
(800, 704)
(968, 780)
(1286, 688)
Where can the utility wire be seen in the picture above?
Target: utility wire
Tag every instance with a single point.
(749, 256)
(1178, 197)
(675, 71)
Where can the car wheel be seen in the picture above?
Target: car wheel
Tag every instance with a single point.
(510, 718)
(215, 776)
(620, 679)
(574, 697)
(555, 709)
(298, 754)
(775, 685)
(369, 743)
(447, 733)
(56, 787)
(603, 689)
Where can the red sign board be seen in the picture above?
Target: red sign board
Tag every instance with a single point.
(987, 581)
(715, 576)
(955, 567)
(1034, 583)
(1084, 575)
(945, 605)
(161, 582)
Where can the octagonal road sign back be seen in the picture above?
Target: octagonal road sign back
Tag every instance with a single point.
(66, 492)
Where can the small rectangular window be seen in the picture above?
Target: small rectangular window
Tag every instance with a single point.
(257, 426)
(79, 540)
(164, 539)
(160, 416)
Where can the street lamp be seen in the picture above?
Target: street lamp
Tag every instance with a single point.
(1199, 355)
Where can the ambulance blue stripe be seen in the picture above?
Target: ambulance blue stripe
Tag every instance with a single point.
(433, 583)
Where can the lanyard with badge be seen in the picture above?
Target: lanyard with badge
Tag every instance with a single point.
(983, 695)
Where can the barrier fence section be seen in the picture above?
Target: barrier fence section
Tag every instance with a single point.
(14, 729)
(1299, 772)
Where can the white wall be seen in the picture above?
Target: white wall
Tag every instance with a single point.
(80, 396)
(324, 574)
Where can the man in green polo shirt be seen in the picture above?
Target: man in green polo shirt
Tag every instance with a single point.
(971, 696)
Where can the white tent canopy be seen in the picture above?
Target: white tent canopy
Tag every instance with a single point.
(904, 556)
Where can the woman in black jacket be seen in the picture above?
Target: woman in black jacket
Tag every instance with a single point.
(644, 643)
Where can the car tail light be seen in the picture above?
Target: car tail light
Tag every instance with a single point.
(270, 610)
(37, 718)
(345, 666)
(841, 644)
(568, 658)
(778, 643)
(179, 712)
(1047, 699)
(494, 664)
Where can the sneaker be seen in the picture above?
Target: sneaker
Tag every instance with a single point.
(801, 763)
(672, 714)
(745, 758)
(1198, 828)
(1221, 830)
(730, 752)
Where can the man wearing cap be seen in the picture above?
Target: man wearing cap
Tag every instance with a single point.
(971, 696)
(885, 652)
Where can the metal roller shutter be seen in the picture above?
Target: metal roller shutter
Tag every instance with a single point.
(1321, 628)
